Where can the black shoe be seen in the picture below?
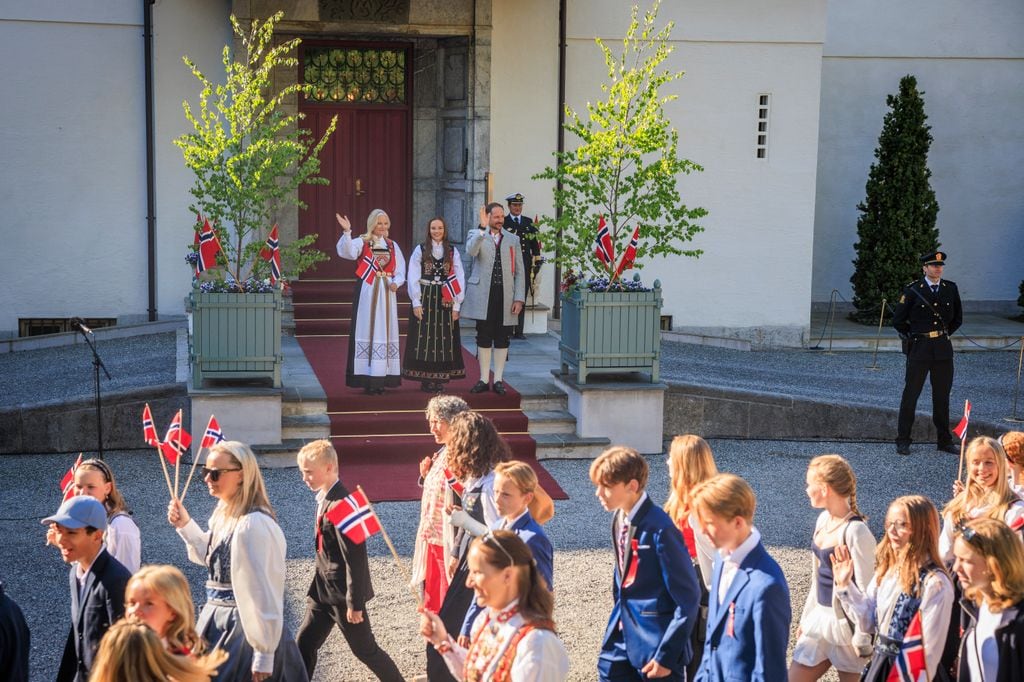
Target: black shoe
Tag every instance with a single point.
(520, 336)
(499, 387)
(903, 448)
(479, 387)
(951, 448)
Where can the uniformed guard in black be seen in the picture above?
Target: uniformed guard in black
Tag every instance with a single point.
(928, 312)
(523, 227)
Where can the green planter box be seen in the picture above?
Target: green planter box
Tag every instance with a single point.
(611, 332)
(235, 336)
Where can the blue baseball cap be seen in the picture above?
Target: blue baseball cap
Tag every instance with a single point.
(80, 511)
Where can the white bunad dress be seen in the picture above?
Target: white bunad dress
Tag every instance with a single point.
(537, 656)
(123, 541)
(374, 360)
(244, 610)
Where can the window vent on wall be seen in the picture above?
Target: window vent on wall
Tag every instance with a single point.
(666, 323)
(763, 112)
(38, 326)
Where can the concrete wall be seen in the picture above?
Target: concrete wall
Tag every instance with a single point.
(968, 59)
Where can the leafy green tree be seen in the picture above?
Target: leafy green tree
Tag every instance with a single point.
(627, 162)
(897, 217)
(249, 155)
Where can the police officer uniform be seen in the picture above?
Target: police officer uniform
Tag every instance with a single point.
(925, 317)
(528, 234)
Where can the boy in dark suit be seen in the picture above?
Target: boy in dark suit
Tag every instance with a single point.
(97, 582)
(749, 612)
(655, 587)
(341, 583)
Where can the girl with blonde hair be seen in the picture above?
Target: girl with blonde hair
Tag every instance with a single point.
(827, 637)
(244, 552)
(910, 584)
(990, 566)
(132, 652)
(159, 596)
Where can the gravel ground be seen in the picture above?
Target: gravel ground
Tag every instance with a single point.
(65, 372)
(35, 577)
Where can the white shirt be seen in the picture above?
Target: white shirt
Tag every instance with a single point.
(1014, 515)
(124, 542)
(705, 551)
(491, 515)
(982, 651)
(731, 561)
(351, 248)
(504, 524)
(416, 271)
(258, 552)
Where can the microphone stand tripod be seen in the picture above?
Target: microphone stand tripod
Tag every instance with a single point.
(97, 364)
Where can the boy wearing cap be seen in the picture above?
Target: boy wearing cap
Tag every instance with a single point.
(97, 582)
(522, 227)
(928, 312)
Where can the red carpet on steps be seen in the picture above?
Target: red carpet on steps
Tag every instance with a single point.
(381, 439)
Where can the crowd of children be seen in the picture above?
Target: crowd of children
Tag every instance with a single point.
(696, 595)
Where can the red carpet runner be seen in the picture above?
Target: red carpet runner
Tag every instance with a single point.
(381, 439)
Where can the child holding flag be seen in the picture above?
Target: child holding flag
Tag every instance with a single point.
(341, 582)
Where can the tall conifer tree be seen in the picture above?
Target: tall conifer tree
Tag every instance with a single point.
(897, 217)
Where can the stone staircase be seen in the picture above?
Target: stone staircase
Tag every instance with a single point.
(554, 428)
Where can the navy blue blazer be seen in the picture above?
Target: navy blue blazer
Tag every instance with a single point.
(91, 616)
(753, 645)
(658, 609)
(530, 532)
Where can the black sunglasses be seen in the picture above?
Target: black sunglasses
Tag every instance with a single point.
(214, 474)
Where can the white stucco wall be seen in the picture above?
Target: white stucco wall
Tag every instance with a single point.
(968, 59)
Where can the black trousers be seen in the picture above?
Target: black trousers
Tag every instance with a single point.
(927, 358)
(317, 624)
(492, 331)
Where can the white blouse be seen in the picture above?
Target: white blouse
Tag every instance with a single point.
(540, 655)
(124, 542)
(705, 551)
(857, 536)
(351, 248)
(416, 270)
(981, 648)
(258, 552)
(875, 605)
(1013, 517)
(491, 515)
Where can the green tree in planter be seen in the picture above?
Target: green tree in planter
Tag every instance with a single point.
(627, 162)
(897, 221)
(249, 155)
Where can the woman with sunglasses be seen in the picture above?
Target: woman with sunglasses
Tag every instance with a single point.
(909, 593)
(244, 551)
(990, 566)
(513, 639)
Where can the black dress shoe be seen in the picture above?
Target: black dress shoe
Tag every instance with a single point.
(951, 448)
(499, 387)
(521, 336)
(903, 448)
(479, 387)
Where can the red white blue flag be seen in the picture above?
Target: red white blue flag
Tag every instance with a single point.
(353, 517)
(630, 256)
(67, 484)
(271, 251)
(453, 482)
(450, 289)
(367, 269)
(961, 428)
(213, 434)
(149, 428)
(604, 248)
(909, 665)
(177, 440)
(209, 247)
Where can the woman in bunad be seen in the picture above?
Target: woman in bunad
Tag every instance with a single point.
(437, 284)
(513, 639)
(434, 536)
(244, 552)
(827, 637)
(990, 567)
(691, 462)
(910, 588)
(374, 362)
(1013, 447)
(474, 448)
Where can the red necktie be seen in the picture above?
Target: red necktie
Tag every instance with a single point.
(319, 534)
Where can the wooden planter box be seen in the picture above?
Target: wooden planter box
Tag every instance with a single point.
(611, 332)
(235, 336)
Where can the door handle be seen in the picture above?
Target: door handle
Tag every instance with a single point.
(359, 188)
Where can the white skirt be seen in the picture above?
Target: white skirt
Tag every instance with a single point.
(824, 637)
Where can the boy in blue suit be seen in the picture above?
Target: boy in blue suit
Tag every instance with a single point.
(655, 587)
(749, 613)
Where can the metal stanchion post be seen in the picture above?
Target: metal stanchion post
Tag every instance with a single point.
(878, 337)
(831, 320)
(1016, 391)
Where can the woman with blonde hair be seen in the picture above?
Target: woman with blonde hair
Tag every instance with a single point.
(910, 588)
(159, 596)
(132, 652)
(990, 566)
(244, 552)
(827, 636)
(374, 362)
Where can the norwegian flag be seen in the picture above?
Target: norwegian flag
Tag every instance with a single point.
(354, 518)
(367, 269)
(604, 247)
(450, 289)
(67, 484)
(961, 428)
(209, 247)
(453, 482)
(177, 440)
(213, 434)
(909, 665)
(630, 256)
(149, 428)
(272, 252)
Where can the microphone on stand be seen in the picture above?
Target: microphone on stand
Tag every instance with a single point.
(79, 324)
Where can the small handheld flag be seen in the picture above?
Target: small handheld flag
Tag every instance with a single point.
(272, 253)
(604, 248)
(67, 484)
(354, 518)
(961, 428)
(909, 665)
(213, 434)
(177, 440)
(209, 247)
(453, 482)
(450, 289)
(367, 269)
(629, 257)
(149, 428)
